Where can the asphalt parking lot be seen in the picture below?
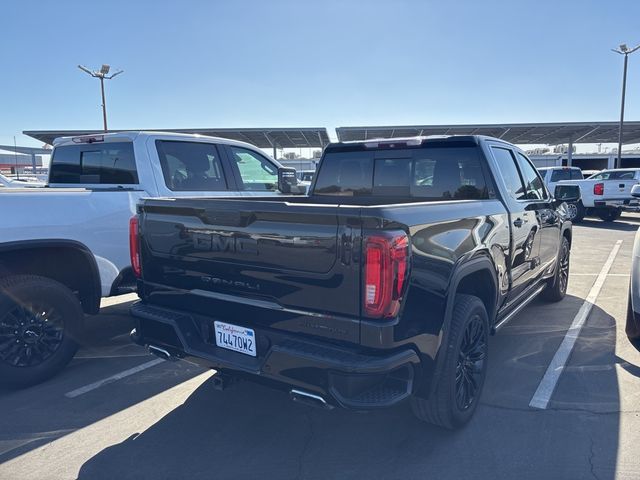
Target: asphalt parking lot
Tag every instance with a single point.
(117, 412)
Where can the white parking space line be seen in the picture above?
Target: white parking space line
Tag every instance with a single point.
(109, 301)
(547, 385)
(594, 274)
(105, 381)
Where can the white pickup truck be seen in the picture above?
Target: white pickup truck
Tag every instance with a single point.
(607, 193)
(65, 246)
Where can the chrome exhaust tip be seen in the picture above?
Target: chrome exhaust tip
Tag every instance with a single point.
(160, 352)
(310, 399)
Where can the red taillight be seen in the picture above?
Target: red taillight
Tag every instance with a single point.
(134, 246)
(385, 273)
(598, 189)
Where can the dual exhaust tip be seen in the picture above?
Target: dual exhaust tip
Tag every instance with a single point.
(309, 399)
(160, 352)
(300, 396)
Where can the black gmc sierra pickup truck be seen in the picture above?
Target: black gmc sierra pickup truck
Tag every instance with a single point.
(382, 284)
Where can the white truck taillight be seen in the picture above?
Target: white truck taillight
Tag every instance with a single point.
(598, 189)
(386, 273)
(134, 247)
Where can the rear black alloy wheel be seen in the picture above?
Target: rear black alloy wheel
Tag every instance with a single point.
(30, 334)
(470, 366)
(632, 327)
(563, 272)
(456, 394)
(557, 285)
(40, 320)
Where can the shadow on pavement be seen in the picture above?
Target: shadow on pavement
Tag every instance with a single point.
(250, 431)
(619, 225)
(42, 413)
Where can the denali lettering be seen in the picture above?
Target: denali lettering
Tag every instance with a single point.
(231, 283)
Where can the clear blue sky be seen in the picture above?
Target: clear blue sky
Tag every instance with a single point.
(314, 63)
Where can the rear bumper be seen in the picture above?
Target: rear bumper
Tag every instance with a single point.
(341, 376)
(631, 203)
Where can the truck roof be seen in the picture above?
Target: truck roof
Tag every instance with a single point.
(133, 135)
(412, 141)
(559, 167)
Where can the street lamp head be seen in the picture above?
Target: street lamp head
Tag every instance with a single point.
(105, 69)
(624, 48)
(86, 70)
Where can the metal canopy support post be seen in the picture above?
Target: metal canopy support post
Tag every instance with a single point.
(275, 153)
(618, 163)
(570, 154)
(33, 162)
(104, 105)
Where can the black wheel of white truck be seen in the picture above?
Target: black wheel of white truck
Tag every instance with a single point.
(39, 322)
(572, 211)
(456, 396)
(610, 214)
(576, 211)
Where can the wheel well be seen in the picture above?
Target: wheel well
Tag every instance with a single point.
(72, 266)
(482, 285)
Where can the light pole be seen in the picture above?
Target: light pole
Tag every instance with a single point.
(102, 74)
(626, 51)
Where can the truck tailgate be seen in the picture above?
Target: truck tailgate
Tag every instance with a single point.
(256, 259)
(618, 189)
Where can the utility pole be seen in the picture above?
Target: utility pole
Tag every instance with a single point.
(626, 51)
(102, 74)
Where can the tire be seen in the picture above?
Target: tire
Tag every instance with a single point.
(632, 327)
(40, 320)
(557, 285)
(610, 214)
(448, 406)
(580, 212)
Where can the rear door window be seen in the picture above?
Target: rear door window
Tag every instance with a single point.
(509, 171)
(533, 183)
(109, 163)
(191, 166)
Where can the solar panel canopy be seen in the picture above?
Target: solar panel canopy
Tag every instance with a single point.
(260, 137)
(521, 133)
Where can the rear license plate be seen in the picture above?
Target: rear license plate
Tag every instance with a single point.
(233, 337)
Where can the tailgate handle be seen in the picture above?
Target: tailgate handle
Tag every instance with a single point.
(622, 185)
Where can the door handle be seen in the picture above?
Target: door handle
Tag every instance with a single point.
(517, 222)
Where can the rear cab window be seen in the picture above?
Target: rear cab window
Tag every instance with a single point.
(429, 173)
(566, 174)
(108, 163)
